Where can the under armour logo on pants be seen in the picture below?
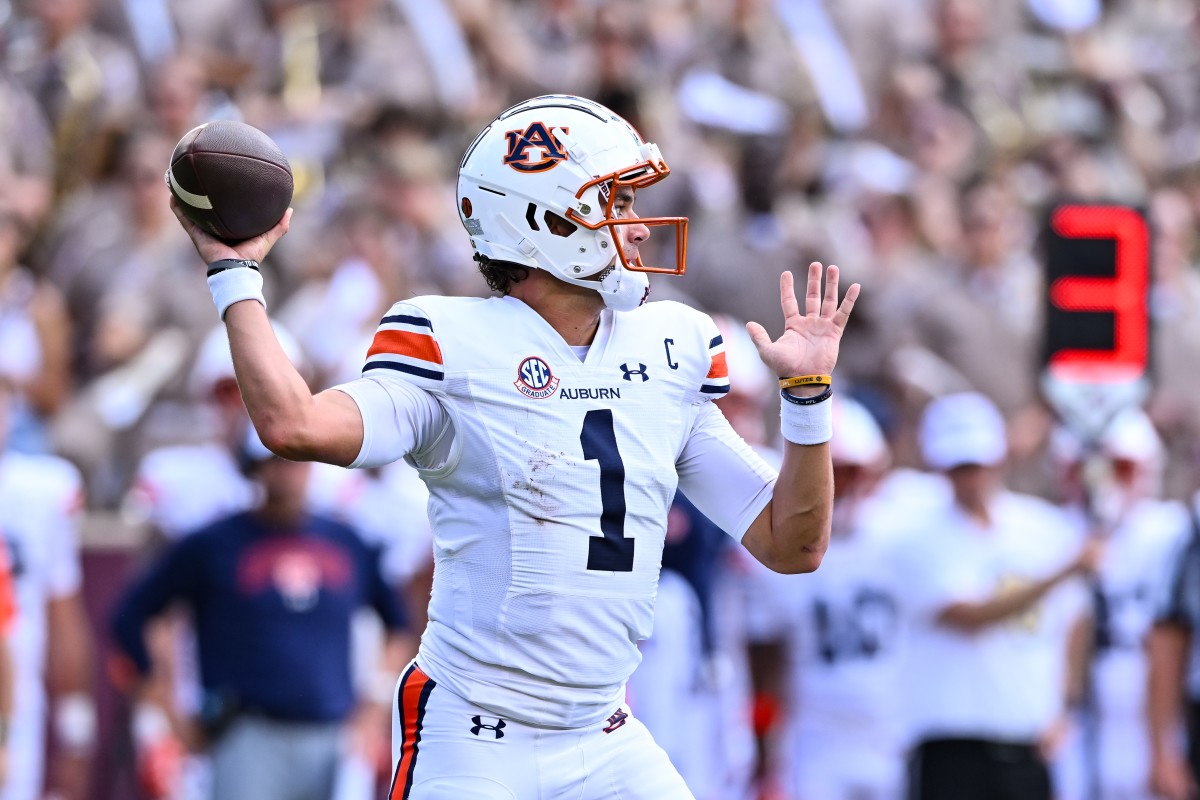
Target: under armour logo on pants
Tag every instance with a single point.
(497, 729)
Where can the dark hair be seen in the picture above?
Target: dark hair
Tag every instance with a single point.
(501, 275)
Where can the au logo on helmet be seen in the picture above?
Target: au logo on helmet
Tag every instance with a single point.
(536, 137)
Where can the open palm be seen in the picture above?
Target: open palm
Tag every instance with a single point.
(810, 341)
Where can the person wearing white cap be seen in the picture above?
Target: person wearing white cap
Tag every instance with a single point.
(181, 488)
(841, 631)
(273, 592)
(989, 599)
(1109, 758)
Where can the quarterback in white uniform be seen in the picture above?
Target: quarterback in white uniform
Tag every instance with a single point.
(552, 426)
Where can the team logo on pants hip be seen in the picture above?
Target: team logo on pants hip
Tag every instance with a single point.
(616, 720)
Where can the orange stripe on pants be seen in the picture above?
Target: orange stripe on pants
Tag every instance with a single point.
(414, 693)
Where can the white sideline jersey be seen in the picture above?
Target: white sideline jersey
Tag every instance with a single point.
(1129, 579)
(180, 489)
(40, 500)
(549, 504)
(1133, 566)
(842, 624)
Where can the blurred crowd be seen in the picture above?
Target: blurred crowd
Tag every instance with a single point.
(915, 143)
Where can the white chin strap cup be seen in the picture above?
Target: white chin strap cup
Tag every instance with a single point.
(624, 290)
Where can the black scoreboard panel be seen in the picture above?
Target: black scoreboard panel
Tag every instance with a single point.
(1097, 320)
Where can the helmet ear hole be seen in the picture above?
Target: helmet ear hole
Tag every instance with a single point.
(558, 225)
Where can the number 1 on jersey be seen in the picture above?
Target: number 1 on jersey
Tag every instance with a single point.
(613, 552)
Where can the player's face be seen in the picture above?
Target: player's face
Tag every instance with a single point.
(974, 484)
(632, 236)
(284, 482)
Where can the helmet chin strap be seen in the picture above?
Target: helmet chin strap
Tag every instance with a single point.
(621, 289)
(624, 290)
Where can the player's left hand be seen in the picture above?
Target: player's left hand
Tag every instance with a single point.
(213, 249)
(810, 341)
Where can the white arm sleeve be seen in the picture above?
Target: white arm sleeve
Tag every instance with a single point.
(398, 419)
(721, 475)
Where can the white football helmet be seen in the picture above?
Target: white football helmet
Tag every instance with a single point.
(569, 156)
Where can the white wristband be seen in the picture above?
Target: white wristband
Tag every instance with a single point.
(150, 723)
(75, 721)
(231, 286)
(811, 424)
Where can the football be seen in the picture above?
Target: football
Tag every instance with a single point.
(231, 179)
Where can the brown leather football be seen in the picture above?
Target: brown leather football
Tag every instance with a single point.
(231, 179)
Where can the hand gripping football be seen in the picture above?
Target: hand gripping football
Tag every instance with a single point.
(231, 179)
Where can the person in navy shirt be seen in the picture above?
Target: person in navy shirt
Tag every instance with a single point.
(272, 592)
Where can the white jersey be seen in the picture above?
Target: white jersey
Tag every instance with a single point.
(1006, 681)
(549, 506)
(181, 489)
(1129, 581)
(1133, 567)
(184, 488)
(843, 627)
(40, 498)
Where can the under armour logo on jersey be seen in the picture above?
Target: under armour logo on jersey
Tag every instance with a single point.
(616, 720)
(548, 150)
(497, 729)
(629, 373)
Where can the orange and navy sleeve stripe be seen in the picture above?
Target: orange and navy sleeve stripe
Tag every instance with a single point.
(405, 343)
(413, 697)
(716, 382)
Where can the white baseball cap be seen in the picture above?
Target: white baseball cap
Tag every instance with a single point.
(857, 439)
(960, 429)
(1131, 436)
(214, 359)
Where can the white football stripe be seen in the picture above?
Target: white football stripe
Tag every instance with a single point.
(193, 200)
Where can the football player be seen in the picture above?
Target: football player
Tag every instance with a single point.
(1109, 757)
(842, 634)
(40, 497)
(552, 425)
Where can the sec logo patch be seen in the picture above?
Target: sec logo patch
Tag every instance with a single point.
(535, 380)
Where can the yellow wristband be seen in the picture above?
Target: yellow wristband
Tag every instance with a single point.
(806, 380)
